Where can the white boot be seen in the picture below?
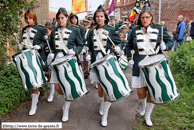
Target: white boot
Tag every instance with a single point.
(142, 106)
(96, 86)
(66, 106)
(105, 113)
(101, 101)
(148, 113)
(51, 93)
(34, 103)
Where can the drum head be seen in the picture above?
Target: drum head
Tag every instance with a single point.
(151, 60)
(101, 60)
(62, 59)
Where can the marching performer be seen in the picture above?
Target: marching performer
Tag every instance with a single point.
(143, 39)
(33, 37)
(47, 51)
(74, 20)
(126, 32)
(122, 20)
(112, 22)
(65, 39)
(86, 24)
(99, 45)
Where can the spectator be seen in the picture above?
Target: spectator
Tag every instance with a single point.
(192, 30)
(187, 29)
(179, 32)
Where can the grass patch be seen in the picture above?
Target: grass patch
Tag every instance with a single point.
(179, 114)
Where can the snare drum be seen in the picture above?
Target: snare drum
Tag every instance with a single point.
(29, 68)
(159, 79)
(70, 77)
(123, 62)
(111, 78)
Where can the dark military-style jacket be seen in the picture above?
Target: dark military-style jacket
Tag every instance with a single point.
(92, 43)
(71, 38)
(137, 42)
(36, 34)
(82, 32)
(120, 23)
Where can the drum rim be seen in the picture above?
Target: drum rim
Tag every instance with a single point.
(59, 63)
(168, 101)
(143, 66)
(101, 60)
(22, 52)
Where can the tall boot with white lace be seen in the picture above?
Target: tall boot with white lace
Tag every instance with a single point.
(101, 101)
(34, 103)
(51, 93)
(148, 113)
(105, 113)
(66, 106)
(142, 106)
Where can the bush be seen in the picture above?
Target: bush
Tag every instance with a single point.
(11, 89)
(182, 65)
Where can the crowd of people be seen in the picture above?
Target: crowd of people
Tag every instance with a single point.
(89, 41)
(183, 32)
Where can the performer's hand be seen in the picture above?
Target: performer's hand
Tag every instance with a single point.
(163, 46)
(117, 49)
(88, 58)
(37, 47)
(131, 63)
(20, 46)
(50, 58)
(71, 52)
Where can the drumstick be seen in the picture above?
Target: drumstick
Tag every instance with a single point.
(46, 37)
(15, 34)
(108, 38)
(132, 52)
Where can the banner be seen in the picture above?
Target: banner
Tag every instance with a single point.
(112, 7)
(132, 16)
(79, 6)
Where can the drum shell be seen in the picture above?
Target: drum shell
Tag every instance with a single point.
(70, 78)
(111, 78)
(123, 62)
(160, 81)
(29, 68)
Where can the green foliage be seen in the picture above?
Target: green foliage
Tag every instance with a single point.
(11, 89)
(9, 22)
(178, 115)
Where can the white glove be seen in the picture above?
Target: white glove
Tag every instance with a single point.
(163, 46)
(88, 57)
(20, 46)
(117, 49)
(50, 58)
(37, 47)
(131, 63)
(71, 52)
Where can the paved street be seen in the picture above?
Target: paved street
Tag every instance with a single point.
(84, 112)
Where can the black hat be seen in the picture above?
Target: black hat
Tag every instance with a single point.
(30, 9)
(62, 10)
(100, 8)
(48, 24)
(145, 8)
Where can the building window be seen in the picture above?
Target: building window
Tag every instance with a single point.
(118, 1)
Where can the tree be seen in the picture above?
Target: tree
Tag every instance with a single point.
(9, 23)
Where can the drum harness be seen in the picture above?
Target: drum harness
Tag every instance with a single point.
(61, 40)
(31, 45)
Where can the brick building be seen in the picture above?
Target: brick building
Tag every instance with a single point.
(170, 9)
